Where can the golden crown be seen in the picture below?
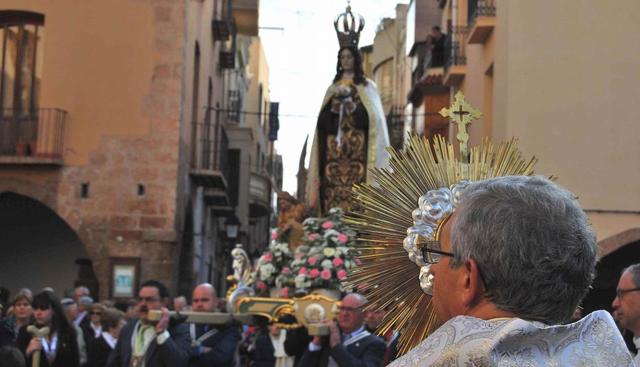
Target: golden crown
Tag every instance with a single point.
(345, 26)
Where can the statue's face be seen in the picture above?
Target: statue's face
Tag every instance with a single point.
(346, 60)
(283, 203)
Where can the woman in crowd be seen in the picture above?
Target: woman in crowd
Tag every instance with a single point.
(95, 325)
(59, 348)
(112, 321)
(20, 315)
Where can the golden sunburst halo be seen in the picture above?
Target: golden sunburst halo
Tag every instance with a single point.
(385, 275)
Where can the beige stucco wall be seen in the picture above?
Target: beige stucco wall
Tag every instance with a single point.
(259, 74)
(568, 88)
(83, 70)
(571, 95)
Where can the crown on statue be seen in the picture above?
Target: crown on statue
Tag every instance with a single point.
(349, 33)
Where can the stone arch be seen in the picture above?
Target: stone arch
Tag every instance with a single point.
(616, 253)
(43, 194)
(617, 241)
(39, 247)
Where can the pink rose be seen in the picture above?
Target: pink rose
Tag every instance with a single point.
(261, 286)
(286, 270)
(326, 274)
(337, 261)
(274, 235)
(284, 293)
(343, 238)
(312, 260)
(303, 271)
(267, 257)
(313, 236)
(314, 273)
(327, 225)
(342, 274)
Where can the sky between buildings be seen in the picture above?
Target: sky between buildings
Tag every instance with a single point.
(302, 63)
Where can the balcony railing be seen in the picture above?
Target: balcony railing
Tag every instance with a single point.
(454, 48)
(483, 8)
(481, 19)
(33, 135)
(209, 166)
(455, 55)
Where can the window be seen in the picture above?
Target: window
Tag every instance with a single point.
(233, 111)
(21, 46)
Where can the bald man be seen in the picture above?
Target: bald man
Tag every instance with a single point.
(212, 345)
(349, 344)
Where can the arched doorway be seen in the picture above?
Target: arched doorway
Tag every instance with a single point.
(38, 248)
(607, 274)
(608, 271)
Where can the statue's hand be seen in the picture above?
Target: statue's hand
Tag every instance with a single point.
(349, 106)
(335, 105)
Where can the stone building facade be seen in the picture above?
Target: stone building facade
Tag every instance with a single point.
(127, 156)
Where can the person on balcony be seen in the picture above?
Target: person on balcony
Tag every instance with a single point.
(436, 41)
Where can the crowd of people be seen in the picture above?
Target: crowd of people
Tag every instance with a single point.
(512, 264)
(90, 334)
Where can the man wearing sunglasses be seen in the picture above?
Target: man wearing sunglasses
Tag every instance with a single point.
(626, 305)
(143, 343)
(509, 266)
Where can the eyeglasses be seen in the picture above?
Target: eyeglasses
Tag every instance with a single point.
(41, 307)
(95, 313)
(349, 309)
(621, 292)
(148, 299)
(431, 255)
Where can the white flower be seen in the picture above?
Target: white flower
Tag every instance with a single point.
(342, 250)
(327, 264)
(331, 233)
(266, 271)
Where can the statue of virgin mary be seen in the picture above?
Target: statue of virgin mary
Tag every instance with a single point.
(351, 132)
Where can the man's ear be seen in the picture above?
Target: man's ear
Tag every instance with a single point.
(472, 287)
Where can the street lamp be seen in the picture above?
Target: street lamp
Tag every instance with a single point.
(232, 225)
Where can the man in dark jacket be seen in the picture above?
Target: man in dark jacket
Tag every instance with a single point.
(348, 344)
(159, 345)
(211, 345)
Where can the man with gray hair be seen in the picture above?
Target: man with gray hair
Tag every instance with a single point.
(80, 291)
(82, 319)
(509, 266)
(70, 309)
(626, 305)
(349, 344)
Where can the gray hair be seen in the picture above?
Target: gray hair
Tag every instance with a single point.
(85, 301)
(66, 303)
(634, 270)
(83, 289)
(532, 243)
(362, 300)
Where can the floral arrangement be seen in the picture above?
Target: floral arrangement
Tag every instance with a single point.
(273, 269)
(322, 261)
(327, 253)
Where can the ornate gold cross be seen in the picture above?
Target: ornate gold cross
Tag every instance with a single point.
(461, 113)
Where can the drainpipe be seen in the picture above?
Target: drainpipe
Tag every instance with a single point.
(454, 24)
